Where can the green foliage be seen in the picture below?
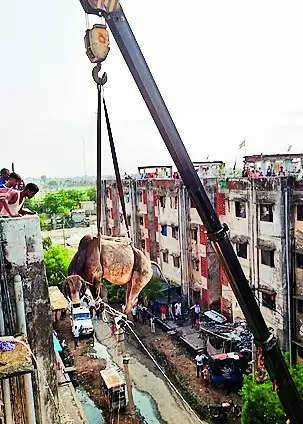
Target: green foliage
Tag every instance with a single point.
(44, 221)
(115, 293)
(261, 404)
(91, 193)
(152, 290)
(57, 260)
(60, 202)
(47, 243)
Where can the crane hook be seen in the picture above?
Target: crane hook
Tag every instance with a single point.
(99, 81)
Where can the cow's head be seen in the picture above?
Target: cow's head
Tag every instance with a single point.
(74, 288)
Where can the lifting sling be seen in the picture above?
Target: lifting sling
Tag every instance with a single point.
(116, 167)
(100, 83)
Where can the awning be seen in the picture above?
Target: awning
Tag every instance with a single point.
(57, 299)
(239, 239)
(266, 245)
(57, 345)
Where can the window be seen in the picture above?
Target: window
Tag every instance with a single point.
(269, 300)
(129, 223)
(175, 233)
(300, 306)
(241, 249)
(141, 220)
(143, 244)
(171, 202)
(162, 201)
(300, 212)
(165, 257)
(176, 262)
(176, 202)
(266, 213)
(141, 197)
(240, 209)
(164, 230)
(268, 257)
(299, 258)
(194, 234)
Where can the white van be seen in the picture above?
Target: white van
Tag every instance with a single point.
(80, 317)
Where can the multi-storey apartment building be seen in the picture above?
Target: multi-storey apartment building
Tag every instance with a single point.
(265, 220)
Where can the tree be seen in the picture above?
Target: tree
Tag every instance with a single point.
(261, 405)
(152, 290)
(57, 260)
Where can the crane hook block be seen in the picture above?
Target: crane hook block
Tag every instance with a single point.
(96, 42)
(97, 7)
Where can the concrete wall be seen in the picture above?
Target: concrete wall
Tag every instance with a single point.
(23, 252)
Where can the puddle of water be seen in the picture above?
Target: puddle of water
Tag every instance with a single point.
(146, 407)
(93, 414)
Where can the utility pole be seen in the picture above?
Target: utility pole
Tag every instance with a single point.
(125, 360)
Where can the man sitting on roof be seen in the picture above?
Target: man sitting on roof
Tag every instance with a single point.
(12, 204)
(4, 174)
(13, 180)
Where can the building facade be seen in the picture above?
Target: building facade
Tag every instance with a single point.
(265, 221)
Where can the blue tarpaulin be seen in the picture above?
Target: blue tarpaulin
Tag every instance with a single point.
(57, 345)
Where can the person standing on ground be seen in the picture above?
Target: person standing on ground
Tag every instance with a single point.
(134, 313)
(170, 312)
(152, 325)
(199, 363)
(206, 377)
(197, 310)
(76, 336)
(163, 313)
(178, 310)
(144, 315)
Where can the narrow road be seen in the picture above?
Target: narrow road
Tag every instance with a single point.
(169, 408)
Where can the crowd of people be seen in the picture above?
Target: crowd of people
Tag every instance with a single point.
(254, 172)
(13, 194)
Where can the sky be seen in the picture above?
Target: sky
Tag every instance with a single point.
(228, 71)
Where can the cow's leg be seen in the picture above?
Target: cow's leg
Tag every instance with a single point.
(142, 274)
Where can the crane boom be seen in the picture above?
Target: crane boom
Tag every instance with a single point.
(274, 361)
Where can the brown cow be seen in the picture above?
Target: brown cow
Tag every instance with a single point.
(115, 259)
(74, 288)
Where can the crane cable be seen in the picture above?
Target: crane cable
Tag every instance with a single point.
(99, 158)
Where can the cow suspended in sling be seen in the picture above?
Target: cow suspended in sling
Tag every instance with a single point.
(112, 258)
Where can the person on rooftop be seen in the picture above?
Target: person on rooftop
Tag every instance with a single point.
(13, 181)
(12, 204)
(4, 174)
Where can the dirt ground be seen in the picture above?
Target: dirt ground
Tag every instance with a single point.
(185, 365)
(88, 372)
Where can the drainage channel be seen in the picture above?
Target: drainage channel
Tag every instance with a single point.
(143, 401)
(94, 415)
